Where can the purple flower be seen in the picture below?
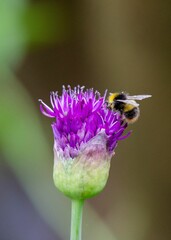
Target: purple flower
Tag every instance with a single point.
(80, 116)
(86, 134)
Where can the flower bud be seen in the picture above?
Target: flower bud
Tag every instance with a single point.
(86, 134)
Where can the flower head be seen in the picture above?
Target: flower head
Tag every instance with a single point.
(86, 133)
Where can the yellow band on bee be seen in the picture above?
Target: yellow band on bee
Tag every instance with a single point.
(112, 96)
(128, 107)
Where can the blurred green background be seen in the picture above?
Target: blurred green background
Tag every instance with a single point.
(121, 45)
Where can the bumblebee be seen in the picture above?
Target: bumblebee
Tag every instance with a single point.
(126, 105)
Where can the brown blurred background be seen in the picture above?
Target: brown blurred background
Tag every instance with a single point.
(120, 45)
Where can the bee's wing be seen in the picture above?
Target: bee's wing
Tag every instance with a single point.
(138, 97)
(132, 102)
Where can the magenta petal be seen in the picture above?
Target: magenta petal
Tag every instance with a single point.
(125, 136)
(47, 111)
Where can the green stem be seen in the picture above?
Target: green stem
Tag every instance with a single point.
(76, 219)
